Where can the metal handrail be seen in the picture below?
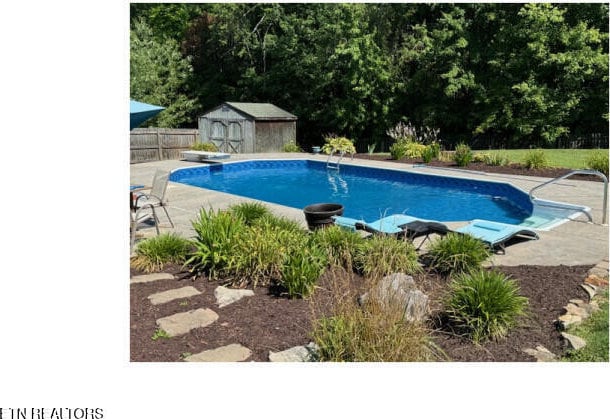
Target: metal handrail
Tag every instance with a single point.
(580, 172)
(334, 165)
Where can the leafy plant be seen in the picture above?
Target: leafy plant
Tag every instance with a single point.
(199, 146)
(409, 149)
(536, 159)
(484, 304)
(382, 255)
(249, 212)
(217, 235)
(371, 148)
(599, 161)
(456, 253)
(292, 147)
(462, 155)
(155, 253)
(495, 159)
(302, 269)
(160, 334)
(338, 144)
(428, 154)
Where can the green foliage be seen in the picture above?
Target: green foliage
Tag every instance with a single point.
(159, 75)
(495, 159)
(199, 146)
(455, 253)
(405, 148)
(594, 330)
(340, 245)
(153, 254)
(338, 145)
(462, 155)
(292, 147)
(160, 334)
(432, 151)
(249, 212)
(302, 268)
(371, 148)
(218, 233)
(599, 161)
(484, 304)
(536, 159)
(381, 255)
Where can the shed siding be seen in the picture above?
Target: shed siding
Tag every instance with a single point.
(272, 135)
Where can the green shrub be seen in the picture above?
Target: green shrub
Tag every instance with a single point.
(599, 161)
(484, 304)
(153, 254)
(409, 149)
(292, 147)
(457, 253)
(536, 159)
(428, 154)
(199, 146)
(462, 155)
(398, 150)
(302, 268)
(217, 235)
(340, 245)
(249, 212)
(338, 144)
(381, 255)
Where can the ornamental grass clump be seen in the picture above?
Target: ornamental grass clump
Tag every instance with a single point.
(249, 212)
(382, 255)
(463, 155)
(301, 269)
(599, 161)
(155, 253)
(484, 305)
(457, 253)
(340, 245)
(536, 159)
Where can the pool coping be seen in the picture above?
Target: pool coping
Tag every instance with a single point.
(575, 242)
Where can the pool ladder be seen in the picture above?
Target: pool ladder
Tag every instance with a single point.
(335, 165)
(578, 172)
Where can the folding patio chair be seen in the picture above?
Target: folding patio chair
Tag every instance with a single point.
(155, 198)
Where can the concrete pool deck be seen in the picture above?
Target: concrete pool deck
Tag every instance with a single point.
(575, 242)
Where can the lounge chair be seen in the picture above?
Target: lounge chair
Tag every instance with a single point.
(495, 234)
(397, 224)
(155, 198)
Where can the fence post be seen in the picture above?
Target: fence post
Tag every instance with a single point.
(159, 151)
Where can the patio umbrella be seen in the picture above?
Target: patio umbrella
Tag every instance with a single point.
(140, 112)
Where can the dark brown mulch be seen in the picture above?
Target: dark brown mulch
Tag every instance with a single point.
(511, 169)
(266, 322)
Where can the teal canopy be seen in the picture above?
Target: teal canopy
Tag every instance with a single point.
(140, 112)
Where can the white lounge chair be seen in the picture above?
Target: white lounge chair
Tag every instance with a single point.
(155, 198)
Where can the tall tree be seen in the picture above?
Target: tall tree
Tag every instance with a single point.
(158, 75)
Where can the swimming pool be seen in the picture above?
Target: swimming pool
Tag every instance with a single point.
(368, 193)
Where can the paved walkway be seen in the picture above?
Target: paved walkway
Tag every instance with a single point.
(576, 242)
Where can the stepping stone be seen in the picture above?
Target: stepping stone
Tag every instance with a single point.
(230, 353)
(304, 353)
(181, 323)
(541, 354)
(225, 296)
(139, 279)
(574, 341)
(174, 294)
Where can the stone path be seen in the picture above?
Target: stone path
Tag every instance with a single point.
(183, 322)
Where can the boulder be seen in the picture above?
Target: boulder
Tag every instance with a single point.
(400, 289)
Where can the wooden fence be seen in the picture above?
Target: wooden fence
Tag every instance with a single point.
(151, 144)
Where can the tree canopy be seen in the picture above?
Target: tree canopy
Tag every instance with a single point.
(522, 74)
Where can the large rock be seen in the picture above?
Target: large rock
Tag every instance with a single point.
(399, 289)
(575, 342)
(541, 354)
(225, 296)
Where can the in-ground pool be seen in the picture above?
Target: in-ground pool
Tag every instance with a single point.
(369, 193)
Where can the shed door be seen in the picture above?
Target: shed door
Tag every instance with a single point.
(227, 135)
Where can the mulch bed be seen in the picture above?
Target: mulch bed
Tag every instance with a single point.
(266, 322)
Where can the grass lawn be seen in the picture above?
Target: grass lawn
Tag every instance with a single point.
(568, 158)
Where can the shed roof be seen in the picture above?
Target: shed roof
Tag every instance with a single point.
(262, 111)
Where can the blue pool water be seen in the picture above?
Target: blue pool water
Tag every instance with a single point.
(366, 193)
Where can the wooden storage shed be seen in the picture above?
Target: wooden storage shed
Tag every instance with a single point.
(237, 127)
